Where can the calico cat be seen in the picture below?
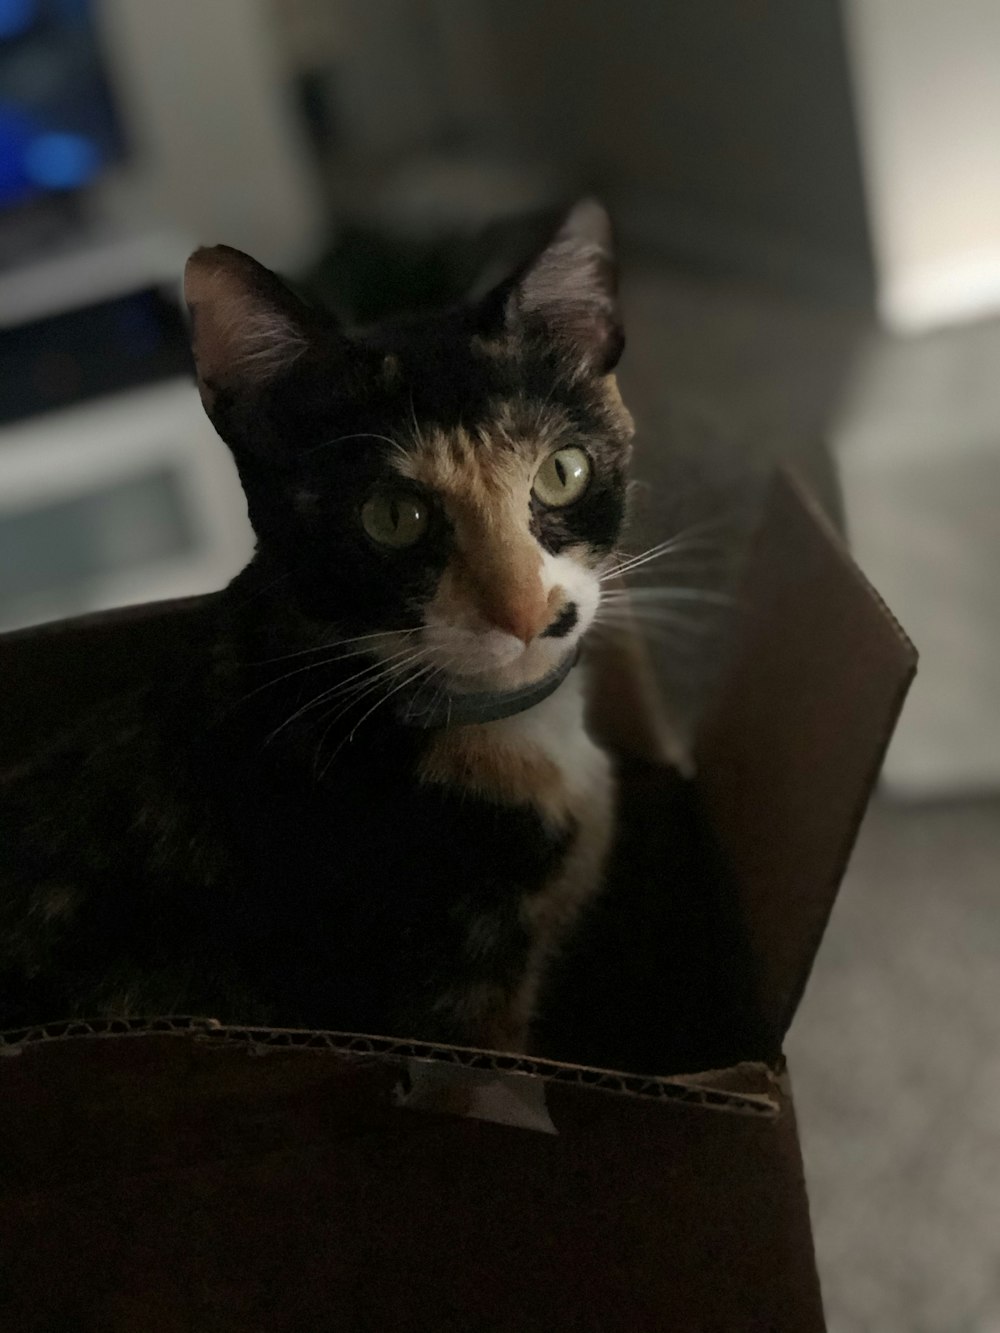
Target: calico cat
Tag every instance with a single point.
(366, 799)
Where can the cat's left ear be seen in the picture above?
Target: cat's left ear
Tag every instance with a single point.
(571, 289)
(247, 327)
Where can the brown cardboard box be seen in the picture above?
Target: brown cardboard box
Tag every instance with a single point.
(181, 1175)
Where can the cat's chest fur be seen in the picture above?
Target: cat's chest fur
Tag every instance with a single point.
(543, 757)
(542, 760)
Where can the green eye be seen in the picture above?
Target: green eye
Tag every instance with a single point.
(394, 518)
(562, 478)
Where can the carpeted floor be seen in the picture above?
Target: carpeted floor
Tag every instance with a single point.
(895, 1057)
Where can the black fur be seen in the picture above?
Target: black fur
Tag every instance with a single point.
(203, 846)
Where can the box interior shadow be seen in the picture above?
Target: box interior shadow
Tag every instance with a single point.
(663, 939)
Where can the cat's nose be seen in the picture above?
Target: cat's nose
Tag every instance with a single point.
(522, 620)
(532, 617)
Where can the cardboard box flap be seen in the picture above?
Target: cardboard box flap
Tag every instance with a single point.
(169, 1184)
(789, 754)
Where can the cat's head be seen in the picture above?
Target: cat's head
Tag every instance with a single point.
(453, 484)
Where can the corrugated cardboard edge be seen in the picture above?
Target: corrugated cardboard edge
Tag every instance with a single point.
(750, 1090)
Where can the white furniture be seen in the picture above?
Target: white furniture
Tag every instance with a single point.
(131, 496)
(128, 498)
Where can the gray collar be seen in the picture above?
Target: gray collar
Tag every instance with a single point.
(428, 706)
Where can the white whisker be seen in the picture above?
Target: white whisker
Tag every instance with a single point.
(336, 643)
(365, 689)
(381, 669)
(639, 596)
(688, 539)
(313, 666)
(678, 638)
(407, 679)
(259, 592)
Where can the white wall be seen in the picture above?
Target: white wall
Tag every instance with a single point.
(214, 150)
(927, 86)
(720, 130)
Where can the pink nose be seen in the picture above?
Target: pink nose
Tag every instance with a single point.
(524, 622)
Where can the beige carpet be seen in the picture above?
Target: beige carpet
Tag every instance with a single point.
(895, 1057)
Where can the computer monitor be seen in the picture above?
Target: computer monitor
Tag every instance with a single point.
(58, 129)
(133, 130)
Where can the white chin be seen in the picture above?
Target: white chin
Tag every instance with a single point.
(497, 661)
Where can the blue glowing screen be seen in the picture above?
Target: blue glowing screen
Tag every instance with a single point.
(57, 123)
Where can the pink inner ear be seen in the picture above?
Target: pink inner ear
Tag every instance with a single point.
(239, 334)
(572, 286)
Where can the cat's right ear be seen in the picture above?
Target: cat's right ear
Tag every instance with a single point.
(570, 290)
(247, 327)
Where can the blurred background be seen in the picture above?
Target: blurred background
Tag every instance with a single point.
(807, 195)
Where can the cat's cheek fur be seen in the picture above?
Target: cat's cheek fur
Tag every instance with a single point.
(580, 585)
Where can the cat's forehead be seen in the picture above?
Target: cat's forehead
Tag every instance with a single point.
(449, 357)
(444, 363)
(455, 386)
(463, 407)
(495, 456)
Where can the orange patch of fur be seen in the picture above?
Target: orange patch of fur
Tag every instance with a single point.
(550, 913)
(487, 1011)
(486, 493)
(470, 758)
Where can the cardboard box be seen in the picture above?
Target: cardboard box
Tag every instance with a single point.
(177, 1174)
